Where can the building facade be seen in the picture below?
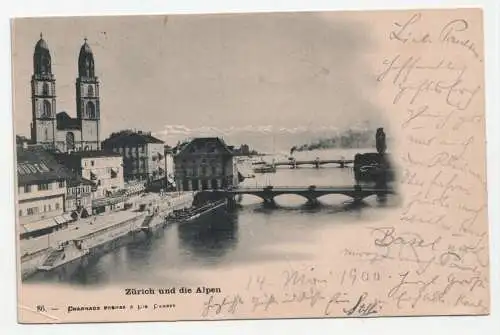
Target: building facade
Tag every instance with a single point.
(41, 191)
(78, 199)
(103, 169)
(205, 164)
(58, 131)
(143, 154)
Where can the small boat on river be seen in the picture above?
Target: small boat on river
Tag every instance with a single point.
(191, 214)
(265, 168)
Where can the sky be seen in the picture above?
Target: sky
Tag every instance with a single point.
(178, 75)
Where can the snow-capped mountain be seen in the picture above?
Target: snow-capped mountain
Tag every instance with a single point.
(263, 138)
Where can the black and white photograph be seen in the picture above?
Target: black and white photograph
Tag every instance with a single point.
(251, 165)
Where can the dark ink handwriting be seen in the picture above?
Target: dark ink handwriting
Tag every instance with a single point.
(228, 304)
(363, 307)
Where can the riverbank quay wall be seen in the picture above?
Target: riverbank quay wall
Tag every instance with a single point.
(99, 238)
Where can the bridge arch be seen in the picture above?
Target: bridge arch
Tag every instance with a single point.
(294, 199)
(331, 198)
(250, 198)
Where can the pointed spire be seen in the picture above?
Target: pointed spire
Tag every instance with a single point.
(85, 39)
(41, 36)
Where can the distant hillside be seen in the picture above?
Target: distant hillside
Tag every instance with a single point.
(344, 140)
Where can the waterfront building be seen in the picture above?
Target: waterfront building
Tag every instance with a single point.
(41, 192)
(143, 155)
(203, 164)
(60, 132)
(104, 170)
(79, 197)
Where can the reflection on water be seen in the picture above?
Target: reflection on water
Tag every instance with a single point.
(211, 237)
(251, 233)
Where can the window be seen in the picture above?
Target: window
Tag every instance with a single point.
(46, 109)
(27, 188)
(90, 91)
(91, 163)
(44, 208)
(50, 208)
(20, 212)
(32, 211)
(61, 184)
(57, 205)
(43, 187)
(45, 89)
(90, 110)
(70, 141)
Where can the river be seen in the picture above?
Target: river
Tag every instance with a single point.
(249, 235)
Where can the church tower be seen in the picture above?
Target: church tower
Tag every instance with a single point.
(87, 99)
(43, 97)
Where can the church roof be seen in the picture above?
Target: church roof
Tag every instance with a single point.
(85, 49)
(86, 61)
(41, 45)
(64, 121)
(130, 139)
(41, 59)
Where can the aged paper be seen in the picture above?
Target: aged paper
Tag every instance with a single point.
(271, 165)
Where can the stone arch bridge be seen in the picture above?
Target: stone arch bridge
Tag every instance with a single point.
(311, 193)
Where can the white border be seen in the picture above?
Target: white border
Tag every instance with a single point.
(386, 326)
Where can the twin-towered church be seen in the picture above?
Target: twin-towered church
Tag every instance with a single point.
(60, 132)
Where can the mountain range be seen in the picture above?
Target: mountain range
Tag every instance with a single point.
(263, 138)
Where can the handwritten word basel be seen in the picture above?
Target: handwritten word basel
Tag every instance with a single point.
(172, 290)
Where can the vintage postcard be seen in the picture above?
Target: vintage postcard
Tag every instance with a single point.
(248, 166)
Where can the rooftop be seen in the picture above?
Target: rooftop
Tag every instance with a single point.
(126, 138)
(202, 144)
(64, 121)
(93, 153)
(35, 165)
(79, 181)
